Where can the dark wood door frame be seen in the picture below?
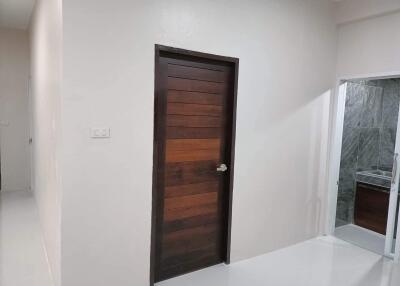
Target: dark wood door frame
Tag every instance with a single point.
(159, 148)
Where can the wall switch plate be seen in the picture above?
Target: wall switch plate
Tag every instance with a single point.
(100, 133)
(4, 123)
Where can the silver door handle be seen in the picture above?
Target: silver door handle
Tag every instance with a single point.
(394, 169)
(222, 168)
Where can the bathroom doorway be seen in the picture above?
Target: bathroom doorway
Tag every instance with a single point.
(365, 165)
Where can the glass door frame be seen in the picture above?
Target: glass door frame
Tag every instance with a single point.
(338, 109)
(393, 201)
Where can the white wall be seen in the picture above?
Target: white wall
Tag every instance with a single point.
(355, 10)
(369, 47)
(287, 57)
(46, 49)
(14, 109)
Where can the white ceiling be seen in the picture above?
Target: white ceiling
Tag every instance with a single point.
(15, 13)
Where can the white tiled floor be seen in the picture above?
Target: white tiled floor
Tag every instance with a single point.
(22, 256)
(362, 237)
(324, 261)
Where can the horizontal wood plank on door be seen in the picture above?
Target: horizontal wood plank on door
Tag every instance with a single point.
(192, 144)
(171, 270)
(189, 201)
(182, 96)
(189, 233)
(202, 65)
(209, 248)
(182, 213)
(197, 73)
(191, 189)
(193, 121)
(190, 222)
(190, 172)
(190, 256)
(187, 248)
(195, 155)
(192, 132)
(194, 109)
(196, 85)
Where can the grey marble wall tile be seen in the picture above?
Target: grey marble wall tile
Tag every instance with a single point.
(354, 105)
(368, 151)
(339, 222)
(350, 141)
(346, 179)
(375, 82)
(345, 206)
(350, 215)
(387, 144)
(346, 193)
(390, 105)
(372, 107)
(342, 210)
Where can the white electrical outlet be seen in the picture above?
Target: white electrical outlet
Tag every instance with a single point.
(100, 133)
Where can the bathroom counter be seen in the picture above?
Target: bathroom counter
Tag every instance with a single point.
(375, 177)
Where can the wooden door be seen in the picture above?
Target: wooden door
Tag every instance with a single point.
(195, 101)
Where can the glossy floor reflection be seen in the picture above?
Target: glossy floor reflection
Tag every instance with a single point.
(22, 256)
(324, 261)
(362, 237)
